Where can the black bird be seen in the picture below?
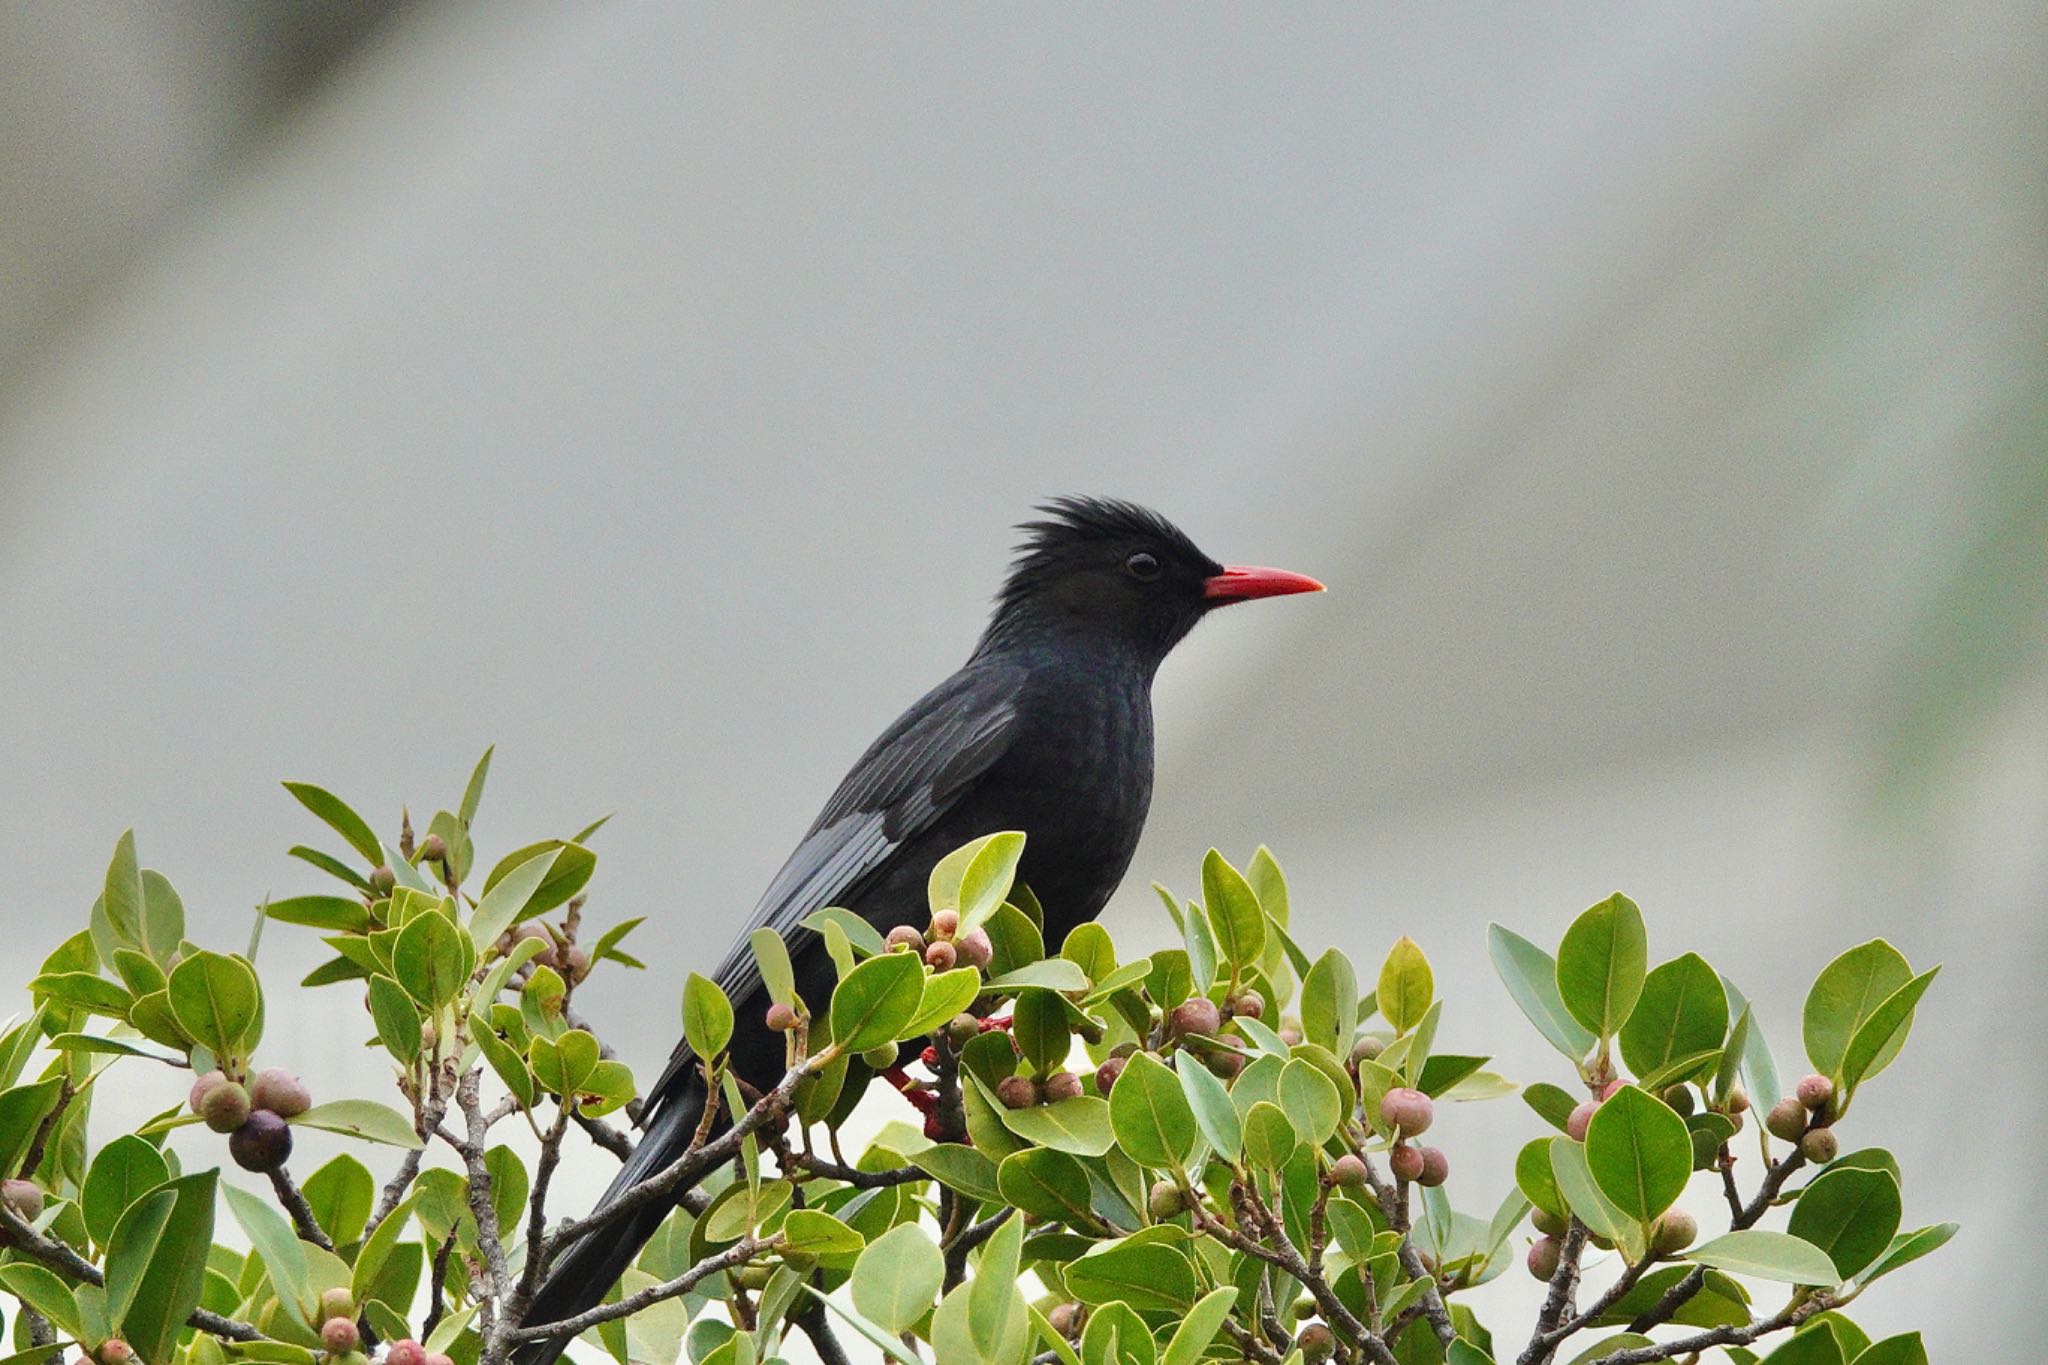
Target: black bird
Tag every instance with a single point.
(1047, 729)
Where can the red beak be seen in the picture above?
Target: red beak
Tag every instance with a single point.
(1242, 582)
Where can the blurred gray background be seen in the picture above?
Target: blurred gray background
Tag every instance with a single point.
(1662, 392)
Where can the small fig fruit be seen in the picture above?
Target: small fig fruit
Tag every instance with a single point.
(1674, 1232)
(1165, 1200)
(974, 949)
(904, 936)
(1816, 1092)
(1017, 1092)
(405, 1351)
(226, 1107)
(433, 849)
(1406, 1161)
(1198, 1015)
(282, 1093)
(1787, 1120)
(1820, 1146)
(880, 1057)
(1579, 1120)
(25, 1197)
(1348, 1171)
(781, 1017)
(382, 880)
(1062, 1085)
(941, 956)
(1544, 1255)
(1436, 1167)
(262, 1144)
(1316, 1342)
(339, 1336)
(1408, 1112)
(945, 924)
(1106, 1074)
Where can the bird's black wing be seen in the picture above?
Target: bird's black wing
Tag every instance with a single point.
(909, 777)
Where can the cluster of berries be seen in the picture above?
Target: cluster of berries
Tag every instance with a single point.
(253, 1115)
(1407, 1113)
(942, 945)
(1806, 1117)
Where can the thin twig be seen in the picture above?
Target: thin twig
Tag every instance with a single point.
(1563, 1281)
(294, 1201)
(967, 1239)
(1394, 1203)
(1791, 1316)
(851, 1175)
(606, 1136)
(739, 1253)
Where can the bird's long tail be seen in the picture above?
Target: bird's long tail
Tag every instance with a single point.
(580, 1277)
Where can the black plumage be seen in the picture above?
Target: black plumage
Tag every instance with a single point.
(1047, 729)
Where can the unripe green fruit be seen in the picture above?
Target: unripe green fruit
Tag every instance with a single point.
(1679, 1097)
(1674, 1232)
(1017, 1092)
(1106, 1074)
(1367, 1049)
(880, 1057)
(1198, 1015)
(337, 1303)
(282, 1093)
(1738, 1101)
(433, 849)
(196, 1097)
(339, 1336)
(1406, 1111)
(963, 1029)
(1062, 1085)
(945, 924)
(405, 1352)
(1405, 1160)
(225, 1107)
(1348, 1171)
(1544, 1255)
(1436, 1168)
(1815, 1092)
(1604, 1243)
(1820, 1146)
(781, 1017)
(1787, 1120)
(1165, 1200)
(905, 937)
(25, 1197)
(1579, 1120)
(382, 880)
(1317, 1343)
(941, 956)
(1548, 1223)
(973, 948)
(263, 1144)
(750, 1276)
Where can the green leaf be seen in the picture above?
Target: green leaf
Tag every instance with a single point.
(1234, 913)
(1312, 1101)
(1639, 1153)
(772, 956)
(1601, 964)
(707, 1016)
(508, 898)
(337, 914)
(876, 1000)
(1214, 1112)
(1149, 1276)
(331, 865)
(569, 873)
(1052, 974)
(1444, 1072)
(1766, 1255)
(163, 916)
(1406, 985)
(1904, 1349)
(945, 995)
(506, 1060)
(85, 990)
(812, 1232)
(1199, 1327)
(397, 1018)
(959, 1167)
(1329, 1002)
(1039, 1027)
(1816, 1346)
(132, 1247)
(1574, 1176)
(123, 1171)
(1080, 1125)
(1759, 1070)
(273, 1240)
(341, 1193)
(216, 999)
(857, 930)
(1269, 1139)
(378, 1247)
(1908, 1247)
(22, 1110)
(999, 1325)
(1553, 1103)
(563, 1064)
(44, 1292)
(1851, 1214)
(1878, 1038)
(984, 878)
(432, 959)
(1535, 1179)
(1150, 1114)
(172, 1285)
(123, 895)
(1845, 994)
(364, 1119)
(1683, 1013)
(474, 792)
(1046, 1184)
(339, 818)
(1530, 974)
(898, 1278)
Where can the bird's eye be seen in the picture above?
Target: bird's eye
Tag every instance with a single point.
(1142, 567)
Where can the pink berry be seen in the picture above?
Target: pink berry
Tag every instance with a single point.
(405, 1351)
(339, 1336)
(282, 1093)
(1408, 1112)
(974, 948)
(941, 956)
(781, 1017)
(1579, 1120)
(1406, 1161)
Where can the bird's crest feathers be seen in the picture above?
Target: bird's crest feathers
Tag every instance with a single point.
(1074, 522)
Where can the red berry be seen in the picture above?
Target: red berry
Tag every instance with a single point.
(941, 956)
(781, 1017)
(1248, 1006)
(1406, 1111)
(339, 1336)
(1406, 1161)
(282, 1093)
(1544, 1255)
(405, 1352)
(1611, 1089)
(115, 1351)
(974, 948)
(1579, 1120)
(903, 936)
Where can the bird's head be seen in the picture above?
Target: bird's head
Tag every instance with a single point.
(1099, 566)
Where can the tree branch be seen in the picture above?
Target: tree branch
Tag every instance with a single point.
(294, 1201)
(738, 1254)
(58, 1256)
